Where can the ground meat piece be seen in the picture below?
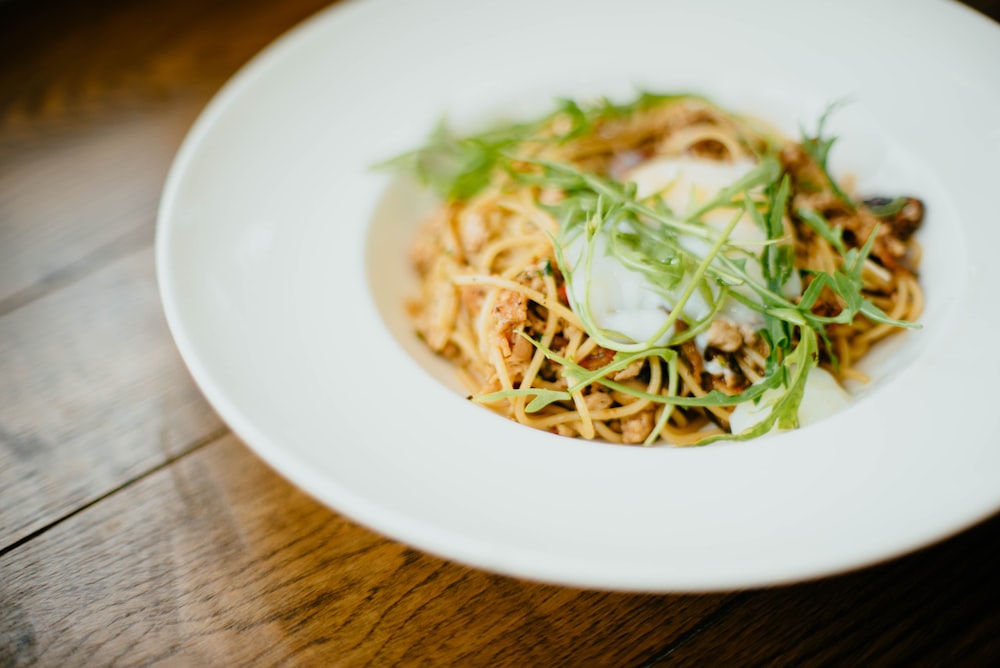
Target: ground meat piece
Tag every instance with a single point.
(691, 354)
(710, 149)
(598, 401)
(564, 430)
(435, 323)
(533, 279)
(750, 337)
(904, 220)
(434, 240)
(595, 360)
(800, 165)
(793, 157)
(472, 297)
(725, 336)
(510, 312)
(426, 248)
(473, 232)
(521, 352)
(635, 428)
(909, 219)
(631, 371)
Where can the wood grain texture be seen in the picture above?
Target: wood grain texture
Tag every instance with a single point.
(93, 394)
(82, 200)
(937, 607)
(215, 560)
(63, 63)
(94, 102)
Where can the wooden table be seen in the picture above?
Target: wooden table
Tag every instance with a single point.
(135, 528)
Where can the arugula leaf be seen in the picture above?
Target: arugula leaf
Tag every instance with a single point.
(818, 147)
(542, 397)
(818, 224)
(456, 167)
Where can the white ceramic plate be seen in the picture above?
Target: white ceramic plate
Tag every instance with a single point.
(282, 265)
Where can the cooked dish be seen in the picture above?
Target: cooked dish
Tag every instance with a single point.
(657, 271)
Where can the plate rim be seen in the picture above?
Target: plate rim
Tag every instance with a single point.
(399, 528)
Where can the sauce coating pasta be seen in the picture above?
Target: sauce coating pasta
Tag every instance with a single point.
(659, 271)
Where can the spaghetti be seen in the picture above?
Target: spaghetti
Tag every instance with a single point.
(660, 271)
